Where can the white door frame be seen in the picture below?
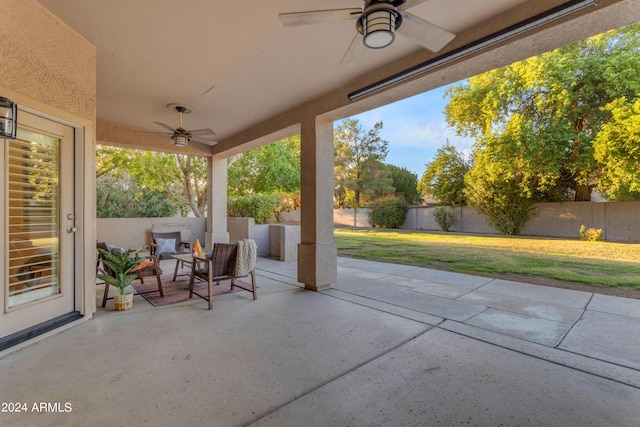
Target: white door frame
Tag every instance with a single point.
(77, 275)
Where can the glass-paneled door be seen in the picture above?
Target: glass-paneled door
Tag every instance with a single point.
(38, 220)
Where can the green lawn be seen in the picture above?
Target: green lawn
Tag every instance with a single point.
(595, 263)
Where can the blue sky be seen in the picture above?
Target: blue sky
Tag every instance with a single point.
(415, 128)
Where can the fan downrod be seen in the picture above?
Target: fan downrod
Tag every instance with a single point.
(180, 108)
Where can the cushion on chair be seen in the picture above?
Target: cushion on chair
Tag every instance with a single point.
(166, 246)
(115, 250)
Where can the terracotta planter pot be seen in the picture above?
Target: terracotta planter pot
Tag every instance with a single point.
(123, 302)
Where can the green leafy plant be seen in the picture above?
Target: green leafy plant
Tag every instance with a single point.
(123, 197)
(260, 207)
(497, 195)
(388, 211)
(444, 177)
(443, 217)
(120, 264)
(590, 234)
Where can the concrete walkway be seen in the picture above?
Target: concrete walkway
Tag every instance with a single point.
(387, 345)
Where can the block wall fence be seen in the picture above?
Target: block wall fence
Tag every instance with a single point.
(620, 221)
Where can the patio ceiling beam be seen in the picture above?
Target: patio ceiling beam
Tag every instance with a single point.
(122, 136)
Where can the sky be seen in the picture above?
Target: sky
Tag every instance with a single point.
(415, 128)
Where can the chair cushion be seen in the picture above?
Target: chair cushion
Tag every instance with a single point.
(166, 246)
(115, 250)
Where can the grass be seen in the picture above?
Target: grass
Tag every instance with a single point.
(595, 263)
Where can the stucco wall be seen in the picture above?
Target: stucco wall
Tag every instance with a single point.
(42, 58)
(620, 220)
(49, 69)
(132, 233)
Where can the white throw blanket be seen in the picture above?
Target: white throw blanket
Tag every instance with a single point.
(246, 257)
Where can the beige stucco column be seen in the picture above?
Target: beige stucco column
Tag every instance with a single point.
(216, 223)
(317, 255)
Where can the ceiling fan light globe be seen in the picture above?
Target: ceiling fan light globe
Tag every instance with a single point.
(378, 39)
(179, 141)
(378, 28)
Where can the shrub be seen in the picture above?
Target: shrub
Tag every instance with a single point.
(388, 212)
(590, 234)
(122, 197)
(500, 198)
(260, 207)
(444, 218)
(286, 202)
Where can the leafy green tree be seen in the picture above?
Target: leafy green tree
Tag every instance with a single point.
(358, 167)
(617, 149)
(444, 176)
(121, 197)
(267, 169)
(261, 207)
(538, 117)
(498, 195)
(179, 177)
(405, 183)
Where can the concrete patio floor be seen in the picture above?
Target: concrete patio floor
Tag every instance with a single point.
(387, 345)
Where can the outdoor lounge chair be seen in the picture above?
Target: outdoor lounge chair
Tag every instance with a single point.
(165, 244)
(152, 269)
(226, 261)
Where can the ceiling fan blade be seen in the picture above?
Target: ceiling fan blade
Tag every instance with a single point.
(354, 52)
(409, 4)
(203, 140)
(166, 126)
(201, 132)
(154, 133)
(318, 16)
(427, 34)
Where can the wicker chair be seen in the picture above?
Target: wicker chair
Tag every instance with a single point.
(221, 265)
(141, 273)
(159, 249)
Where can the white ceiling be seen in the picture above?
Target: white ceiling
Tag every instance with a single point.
(231, 60)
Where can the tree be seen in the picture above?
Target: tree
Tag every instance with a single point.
(358, 167)
(267, 169)
(541, 115)
(497, 195)
(191, 172)
(180, 177)
(405, 183)
(617, 149)
(444, 176)
(122, 197)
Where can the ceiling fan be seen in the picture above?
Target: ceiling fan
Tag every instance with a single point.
(180, 137)
(376, 24)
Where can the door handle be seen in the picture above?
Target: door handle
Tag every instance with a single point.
(71, 229)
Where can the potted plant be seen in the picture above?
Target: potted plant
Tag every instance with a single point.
(117, 272)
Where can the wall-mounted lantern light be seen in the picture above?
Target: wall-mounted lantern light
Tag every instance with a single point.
(8, 118)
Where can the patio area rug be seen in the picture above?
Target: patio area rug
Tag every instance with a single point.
(178, 291)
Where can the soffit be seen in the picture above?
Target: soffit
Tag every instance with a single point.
(233, 61)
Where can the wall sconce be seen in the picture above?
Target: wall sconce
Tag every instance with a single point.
(8, 118)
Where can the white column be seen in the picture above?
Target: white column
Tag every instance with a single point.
(317, 254)
(216, 222)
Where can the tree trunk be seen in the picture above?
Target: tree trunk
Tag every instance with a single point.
(583, 193)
